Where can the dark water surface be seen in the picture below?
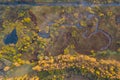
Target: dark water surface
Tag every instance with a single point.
(74, 3)
(11, 38)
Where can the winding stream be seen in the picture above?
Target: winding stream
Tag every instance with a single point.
(97, 30)
(82, 3)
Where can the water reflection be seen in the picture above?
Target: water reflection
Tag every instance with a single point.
(79, 26)
(11, 38)
(44, 34)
